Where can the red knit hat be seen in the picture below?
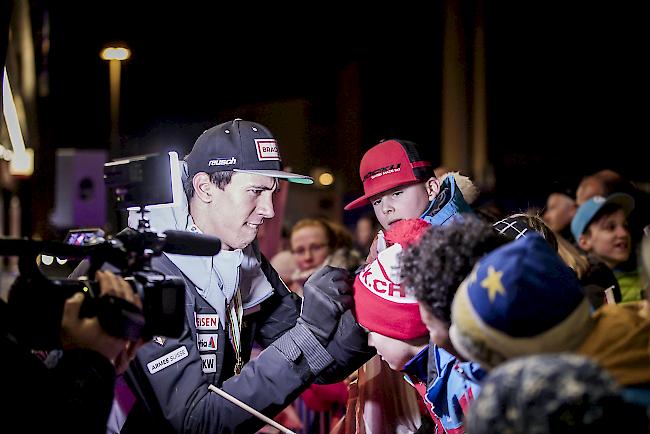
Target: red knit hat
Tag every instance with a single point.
(382, 305)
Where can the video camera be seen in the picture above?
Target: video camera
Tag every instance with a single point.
(37, 302)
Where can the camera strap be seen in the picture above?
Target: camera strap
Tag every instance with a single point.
(235, 313)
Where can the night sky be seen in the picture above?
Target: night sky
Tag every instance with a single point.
(564, 86)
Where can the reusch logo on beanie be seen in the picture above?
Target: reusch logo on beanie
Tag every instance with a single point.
(520, 299)
(241, 146)
(388, 165)
(382, 304)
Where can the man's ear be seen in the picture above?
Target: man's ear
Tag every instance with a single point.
(202, 187)
(433, 187)
(584, 242)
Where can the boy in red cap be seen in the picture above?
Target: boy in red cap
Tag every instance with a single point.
(399, 182)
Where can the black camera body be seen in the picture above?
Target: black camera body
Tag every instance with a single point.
(36, 302)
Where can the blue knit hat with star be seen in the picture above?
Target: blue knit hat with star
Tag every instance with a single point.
(520, 299)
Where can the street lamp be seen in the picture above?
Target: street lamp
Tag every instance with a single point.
(115, 55)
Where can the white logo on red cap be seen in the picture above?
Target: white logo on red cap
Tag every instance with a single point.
(267, 149)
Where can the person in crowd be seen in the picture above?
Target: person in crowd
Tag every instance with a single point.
(365, 231)
(553, 394)
(560, 209)
(235, 298)
(601, 231)
(607, 182)
(72, 388)
(391, 316)
(431, 270)
(399, 183)
(521, 299)
(316, 243)
(597, 280)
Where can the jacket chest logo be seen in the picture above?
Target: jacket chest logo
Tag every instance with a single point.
(206, 321)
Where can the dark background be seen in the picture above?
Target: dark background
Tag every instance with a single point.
(565, 84)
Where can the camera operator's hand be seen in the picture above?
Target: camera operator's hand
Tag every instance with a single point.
(87, 333)
(327, 294)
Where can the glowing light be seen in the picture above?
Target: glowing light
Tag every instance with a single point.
(22, 160)
(115, 53)
(326, 179)
(22, 163)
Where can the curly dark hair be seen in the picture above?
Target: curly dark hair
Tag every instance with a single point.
(433, 269)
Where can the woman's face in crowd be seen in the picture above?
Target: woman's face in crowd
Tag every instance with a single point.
(560, 209)
(310, 247)
(608, 238)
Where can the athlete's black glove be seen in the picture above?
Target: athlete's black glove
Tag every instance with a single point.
(326, 295)
(349, 349)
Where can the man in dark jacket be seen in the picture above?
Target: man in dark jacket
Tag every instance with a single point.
(235, 298)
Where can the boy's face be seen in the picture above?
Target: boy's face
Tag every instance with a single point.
(438, 330)
(393, 351)
(400, 203)
(608, 238)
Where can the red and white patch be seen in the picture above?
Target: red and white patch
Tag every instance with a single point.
(267, 149)
(206, 321)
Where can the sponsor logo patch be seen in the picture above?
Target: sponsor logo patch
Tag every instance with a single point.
(393, 168)
(160, 340)
(209, 363)
(223, 162)
(207, 321)
(207, 341)
(167, 360)
(267, 149)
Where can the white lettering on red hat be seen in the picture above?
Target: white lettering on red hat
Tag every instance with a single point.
(267, 149)
(382, 276)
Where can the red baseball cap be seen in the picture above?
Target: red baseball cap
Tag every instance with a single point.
(390, 164)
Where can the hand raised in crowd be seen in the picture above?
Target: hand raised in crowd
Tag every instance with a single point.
(378, 244)
(87, 333)
(327, 294)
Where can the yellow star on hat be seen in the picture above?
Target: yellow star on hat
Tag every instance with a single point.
(493, 283)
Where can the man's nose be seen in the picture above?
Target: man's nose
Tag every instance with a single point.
(265, 206)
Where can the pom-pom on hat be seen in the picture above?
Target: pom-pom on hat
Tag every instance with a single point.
(381, 302)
